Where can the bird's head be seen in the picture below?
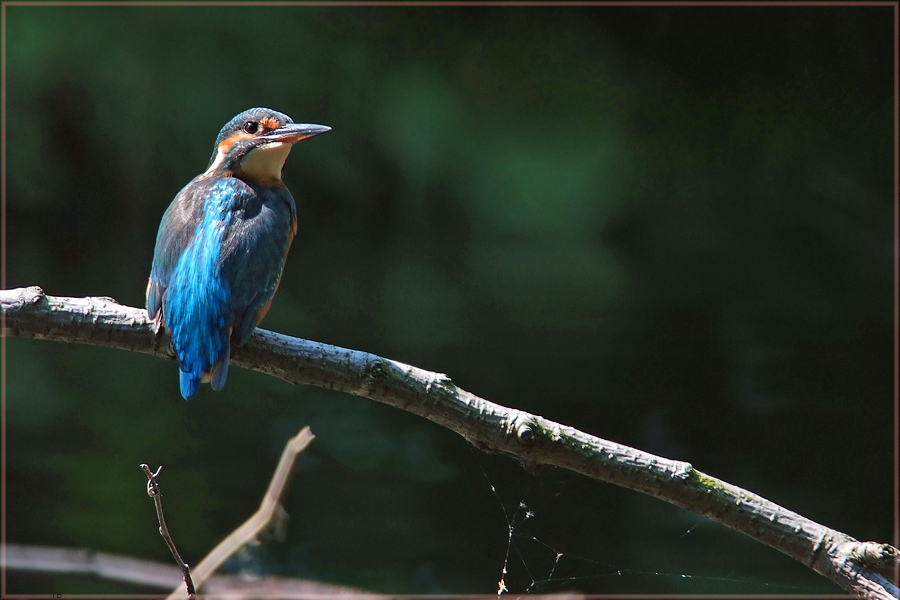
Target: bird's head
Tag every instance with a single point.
(255, 144)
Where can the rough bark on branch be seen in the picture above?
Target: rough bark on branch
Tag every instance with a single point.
(867, 569)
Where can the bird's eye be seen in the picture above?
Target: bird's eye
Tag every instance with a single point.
(251, 126)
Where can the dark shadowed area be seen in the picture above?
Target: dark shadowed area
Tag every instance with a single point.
(668, 227)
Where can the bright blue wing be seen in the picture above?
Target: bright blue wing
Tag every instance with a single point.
(197, 298)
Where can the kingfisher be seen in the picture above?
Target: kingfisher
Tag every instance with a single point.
(222, 244)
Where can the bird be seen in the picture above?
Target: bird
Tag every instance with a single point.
(222, 244)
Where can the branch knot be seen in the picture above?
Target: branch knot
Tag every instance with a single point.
(33, 295)
(525, 434)
(373, 373)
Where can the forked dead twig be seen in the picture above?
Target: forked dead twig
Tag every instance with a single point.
(153, 492)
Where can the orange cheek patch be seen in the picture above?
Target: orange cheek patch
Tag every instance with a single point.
(228, 142)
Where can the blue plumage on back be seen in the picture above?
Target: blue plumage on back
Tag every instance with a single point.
(222, 243)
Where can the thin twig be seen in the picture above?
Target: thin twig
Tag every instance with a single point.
(153, 492)
(261, 519)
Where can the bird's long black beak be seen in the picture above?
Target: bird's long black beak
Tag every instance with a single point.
(295, 132)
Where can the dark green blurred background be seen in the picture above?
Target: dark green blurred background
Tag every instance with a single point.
(669, 227)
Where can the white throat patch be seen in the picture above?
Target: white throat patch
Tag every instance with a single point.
(266, 161)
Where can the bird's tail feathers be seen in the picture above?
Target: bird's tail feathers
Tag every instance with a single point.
(219, 372)
(189, 384)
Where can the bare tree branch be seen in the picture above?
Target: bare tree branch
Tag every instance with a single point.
(535, 441)
(261, 519)
(77, 561)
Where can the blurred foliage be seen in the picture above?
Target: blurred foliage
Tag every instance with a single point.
(670, 227)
